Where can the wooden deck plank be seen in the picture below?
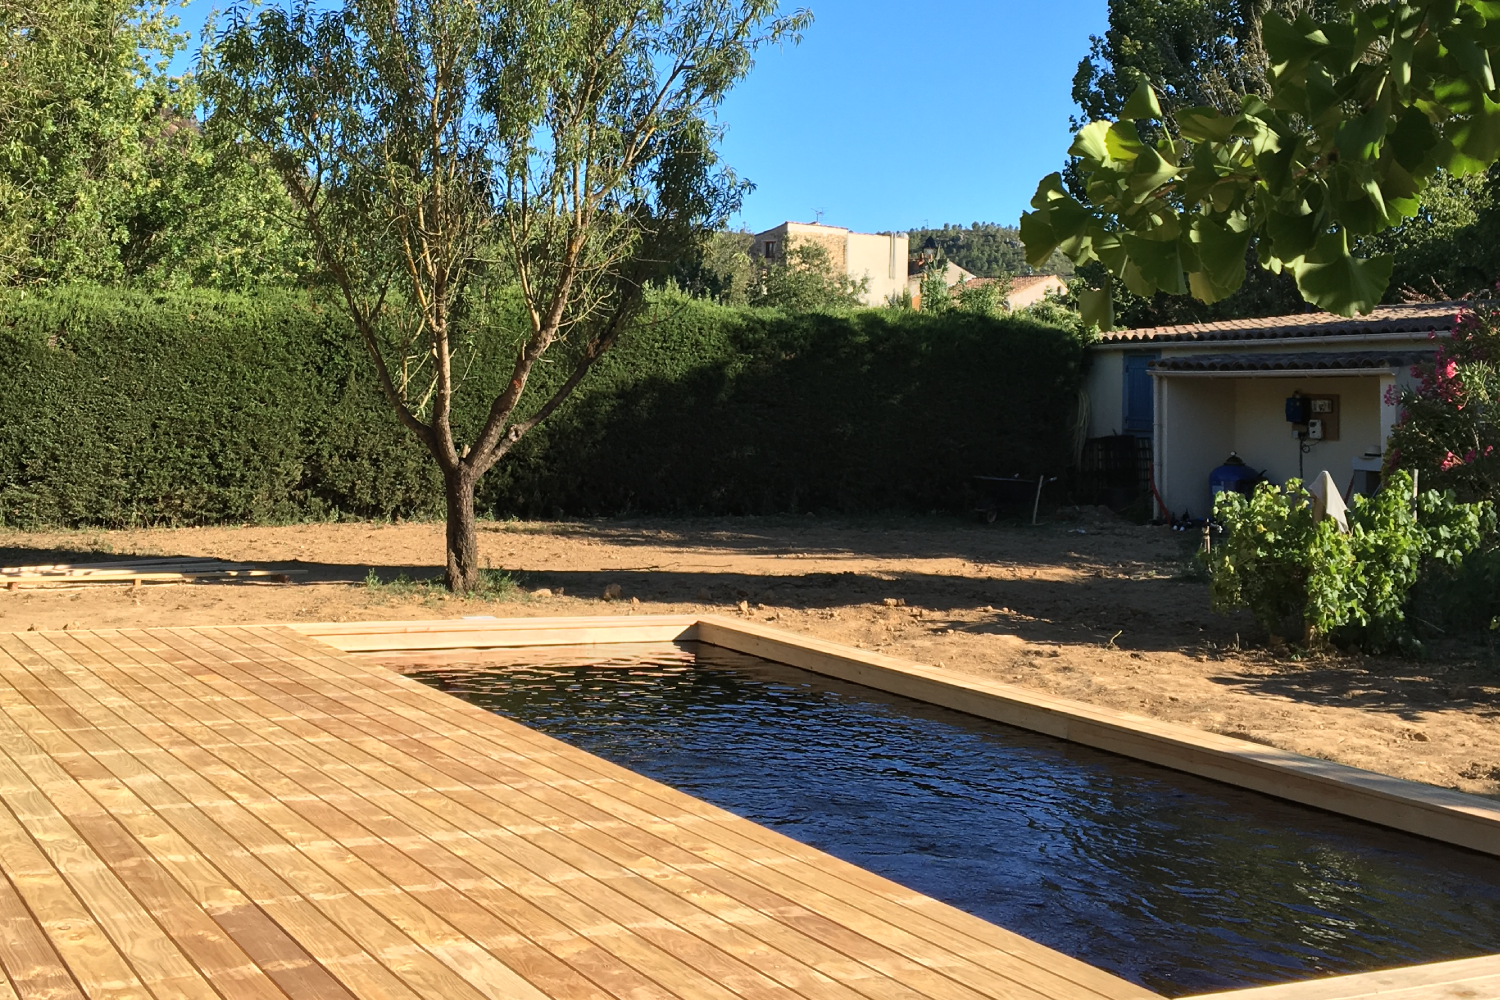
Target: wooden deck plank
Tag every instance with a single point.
(239, 813)
(400, 865)
(264, 942)
(890, 962)
(1464, 979)
(580, 777)
(615, 901)
(445, 961)
(821, 870)
(651, 901)
(265, 873)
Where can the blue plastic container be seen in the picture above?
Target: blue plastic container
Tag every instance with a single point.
(1234, 476)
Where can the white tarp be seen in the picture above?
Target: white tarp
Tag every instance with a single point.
(1327, 501)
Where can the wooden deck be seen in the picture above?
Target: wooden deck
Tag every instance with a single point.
(244, 813)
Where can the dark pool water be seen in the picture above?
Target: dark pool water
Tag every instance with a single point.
(1180, 884)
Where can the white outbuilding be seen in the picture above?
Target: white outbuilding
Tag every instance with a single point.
(1289, 395)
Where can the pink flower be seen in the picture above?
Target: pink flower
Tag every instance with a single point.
(1450, 462)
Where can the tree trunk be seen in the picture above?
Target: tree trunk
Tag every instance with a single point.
(463, 543)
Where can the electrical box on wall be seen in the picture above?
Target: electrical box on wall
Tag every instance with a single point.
(1314, 418)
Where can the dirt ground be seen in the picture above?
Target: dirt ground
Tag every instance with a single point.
(1086, 606)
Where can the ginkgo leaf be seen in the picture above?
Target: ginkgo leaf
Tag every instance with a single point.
(1332, 278)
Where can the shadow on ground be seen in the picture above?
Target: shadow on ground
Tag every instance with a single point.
(1401, 687)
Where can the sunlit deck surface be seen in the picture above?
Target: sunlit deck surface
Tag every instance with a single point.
(246, 813)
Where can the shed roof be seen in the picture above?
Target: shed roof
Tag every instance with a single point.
(1300, 362)
(1419, 317)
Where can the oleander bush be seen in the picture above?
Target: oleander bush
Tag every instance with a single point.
(127, 408)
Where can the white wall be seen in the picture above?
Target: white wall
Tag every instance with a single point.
(1195, 432)
(1200, 421)
(1105, 386)
(1264, 438)
(881, 259)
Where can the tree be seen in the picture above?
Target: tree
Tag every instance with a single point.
(106, 174)
(804, 278)
(440, 150)
(80, 103)
(1360, 113)
(985, 249)
(1197, 52)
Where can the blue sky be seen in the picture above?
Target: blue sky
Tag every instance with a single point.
(892, 115)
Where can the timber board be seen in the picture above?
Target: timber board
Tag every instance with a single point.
(244, 812)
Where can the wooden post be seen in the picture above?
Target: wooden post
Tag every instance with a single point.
(1037, 503)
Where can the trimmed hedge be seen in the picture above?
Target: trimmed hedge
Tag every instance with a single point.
(120, 408)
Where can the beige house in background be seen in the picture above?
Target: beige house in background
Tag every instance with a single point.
(879, 258)
(1025, 290)
(1198, 392)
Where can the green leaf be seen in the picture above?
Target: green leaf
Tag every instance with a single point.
(1331, 278)
(1221, 248)
(1292, 236)
(1360, 137)
(1467, 52)
(1412, 140)
(1097, 308)
(1089, 145)
(1142, 103)
(1159, 263)
(1059, 222)
(1205, 124)
(1151, 172)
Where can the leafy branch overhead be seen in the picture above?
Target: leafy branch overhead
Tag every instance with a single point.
(1360, 114)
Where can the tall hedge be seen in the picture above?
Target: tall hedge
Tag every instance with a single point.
(121, 408)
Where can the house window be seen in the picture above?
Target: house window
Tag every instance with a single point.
(1140, 402)
(770, 249)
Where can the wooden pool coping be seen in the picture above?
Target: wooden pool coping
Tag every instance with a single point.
(1451, 816)
(1446, 815)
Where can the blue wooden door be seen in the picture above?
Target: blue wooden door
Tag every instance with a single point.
(1140, 400)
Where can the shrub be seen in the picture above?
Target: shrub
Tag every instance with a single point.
(123, 408)
(1294, 571)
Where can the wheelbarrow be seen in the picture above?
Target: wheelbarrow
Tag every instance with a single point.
(1008, 492)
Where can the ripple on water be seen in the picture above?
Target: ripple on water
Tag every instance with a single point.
(1175, 882)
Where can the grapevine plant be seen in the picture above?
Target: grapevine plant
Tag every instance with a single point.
(1294, 570)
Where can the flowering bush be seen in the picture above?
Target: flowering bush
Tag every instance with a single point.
(1449, 430)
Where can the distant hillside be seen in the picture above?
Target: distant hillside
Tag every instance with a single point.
(986, 249)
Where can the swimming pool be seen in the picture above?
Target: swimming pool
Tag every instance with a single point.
(1178, 883)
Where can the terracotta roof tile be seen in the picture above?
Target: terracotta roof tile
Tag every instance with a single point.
(1421, 317)
(1307, 361)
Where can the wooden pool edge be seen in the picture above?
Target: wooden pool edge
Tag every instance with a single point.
(1445, 815)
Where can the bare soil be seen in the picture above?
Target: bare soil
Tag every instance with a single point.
(1086, 606)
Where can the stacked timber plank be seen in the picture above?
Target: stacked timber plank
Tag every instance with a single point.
(138, 572)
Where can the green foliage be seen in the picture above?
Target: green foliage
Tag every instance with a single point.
(804, 278)
(1449, 431)
(1358, 114)
(1197, 52)
(126, 408)
(721, 270)
(984, 298)
(1451, 248)
(1292, 570)
(985, 249)
(105, 174)
(935, 297)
